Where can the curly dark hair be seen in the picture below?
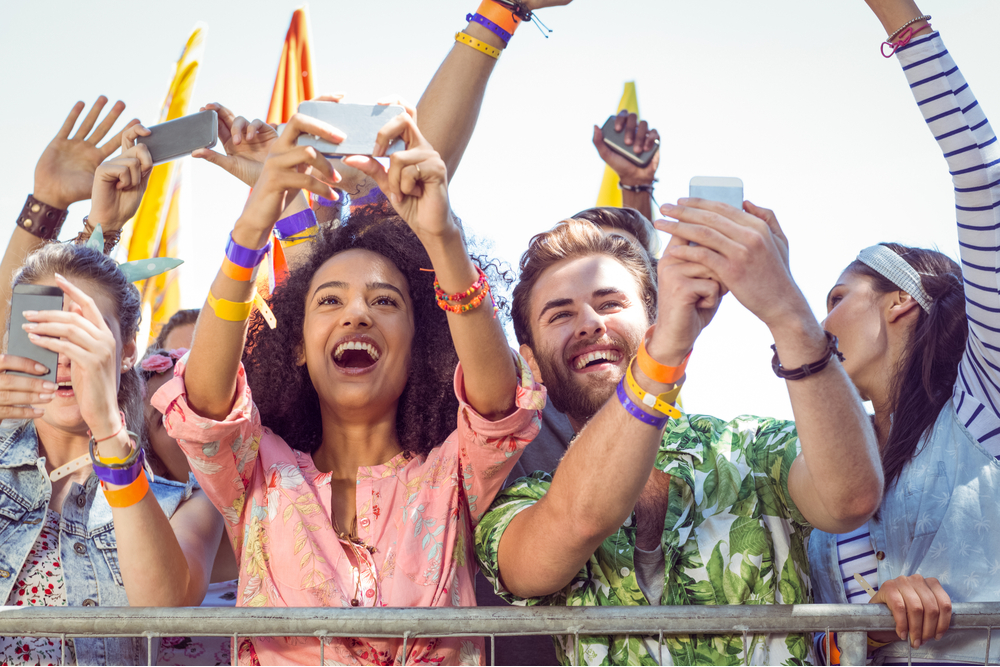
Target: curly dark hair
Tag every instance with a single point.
(284, 394)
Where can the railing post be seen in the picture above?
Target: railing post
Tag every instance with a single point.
(853, 647)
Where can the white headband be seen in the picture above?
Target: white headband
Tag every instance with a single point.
(896, 269)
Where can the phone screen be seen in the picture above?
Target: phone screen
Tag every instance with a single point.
(722, 189)
(32, 297)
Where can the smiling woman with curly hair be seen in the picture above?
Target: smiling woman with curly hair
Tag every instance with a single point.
(336, 457)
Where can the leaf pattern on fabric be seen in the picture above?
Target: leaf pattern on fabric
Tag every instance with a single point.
(722, 545)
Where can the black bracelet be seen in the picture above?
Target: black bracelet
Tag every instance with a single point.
(636, 188)
(40, 219)
(808, 369)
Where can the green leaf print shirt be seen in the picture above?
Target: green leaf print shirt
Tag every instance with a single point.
(732, 535)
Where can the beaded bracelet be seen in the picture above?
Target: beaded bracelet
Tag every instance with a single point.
(636, 411)
(489, 25)
(905, 34)
(475, 303)
(458, 296)
(245, 257)
(129, 495)
(491, 51)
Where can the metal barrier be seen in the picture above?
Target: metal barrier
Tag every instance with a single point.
(851, 622)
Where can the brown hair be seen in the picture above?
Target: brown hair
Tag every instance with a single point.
(178, 319)
(928, 368)
(628, 220)
(575, 239)
(78, 261)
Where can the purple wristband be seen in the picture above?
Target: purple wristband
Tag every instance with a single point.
(294, 224)
(245, 257)
(489, 25)
(636, 411)
(121, 476)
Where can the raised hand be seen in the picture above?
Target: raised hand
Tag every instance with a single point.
(81, 335)
(246, 144)
(65, 171)
(120, 183)
(641, 139)
(22, 397)
(416, 180)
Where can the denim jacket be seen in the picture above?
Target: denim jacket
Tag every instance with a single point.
(87, 546)
(941, 519)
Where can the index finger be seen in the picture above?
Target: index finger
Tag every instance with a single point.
(70, 121)
(402, 126)
(130, 133)
(301, 124)
(399, 101)
(732, 213)
(87, 306)
(10, 362)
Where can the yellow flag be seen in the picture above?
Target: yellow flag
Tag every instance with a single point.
(610, 194)
(157, 222)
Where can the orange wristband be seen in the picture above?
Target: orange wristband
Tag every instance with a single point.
(236, 272)
(656, 371)
(500, 15)
(127, 495)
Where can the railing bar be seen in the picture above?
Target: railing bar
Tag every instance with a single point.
(576, 638)
(149, 650)
(659, 649)
(405, 637)
(493, 650)
(746, 656)
(909, 649)
(322, 650)
(62, 659)
(234, 649)
(989, 636)
(829, 646)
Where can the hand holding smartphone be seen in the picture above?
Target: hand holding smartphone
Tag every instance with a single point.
(32, 297)
(178, 138)
(616, 141)
(360, 122)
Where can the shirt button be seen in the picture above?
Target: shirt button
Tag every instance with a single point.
(89, 603)
(624, 571)
(80, 548)
(880, 555)
(628, 521)
(81, 500)
(4, 573)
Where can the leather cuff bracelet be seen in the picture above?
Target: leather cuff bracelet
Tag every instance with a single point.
(41, 220)
(808, 369)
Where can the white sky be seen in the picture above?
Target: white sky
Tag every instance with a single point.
(791, 96)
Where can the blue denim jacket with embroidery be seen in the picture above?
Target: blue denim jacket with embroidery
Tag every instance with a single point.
(941, 519)
(87, 547)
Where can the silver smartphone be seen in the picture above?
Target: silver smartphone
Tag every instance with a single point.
(178, 138)
(32, 297)
(727, 190)
(360, 122)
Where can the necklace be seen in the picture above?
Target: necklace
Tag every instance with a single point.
(70, 467)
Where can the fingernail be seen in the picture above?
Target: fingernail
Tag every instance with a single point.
(38, 411)
(51, 386)
(60, 276)
(393, 198)
(29, 313)
(683, 200)
(42, 369)
(46, 397)
(29, 326)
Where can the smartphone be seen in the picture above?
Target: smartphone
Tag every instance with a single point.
(32, 297)
(616, 142)
(360, 122)
(177, 138)
(727, 190)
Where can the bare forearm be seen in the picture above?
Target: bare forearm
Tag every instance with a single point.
(895, 13)
(640, 201)
(210, 380)
(450, 106)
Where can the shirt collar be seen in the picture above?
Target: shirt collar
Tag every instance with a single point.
(18, 444)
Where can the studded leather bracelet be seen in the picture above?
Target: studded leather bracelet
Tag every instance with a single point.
(41, 220)
(808, 369)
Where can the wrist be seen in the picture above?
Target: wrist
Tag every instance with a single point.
(634, 181)
(50, 197)
(104, 428)
(250, 234)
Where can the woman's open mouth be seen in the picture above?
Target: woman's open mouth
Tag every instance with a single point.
(355, 357)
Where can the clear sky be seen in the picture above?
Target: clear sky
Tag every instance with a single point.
(791, 96)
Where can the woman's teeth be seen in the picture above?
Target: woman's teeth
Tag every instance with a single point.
(356, 345)
(602, 355)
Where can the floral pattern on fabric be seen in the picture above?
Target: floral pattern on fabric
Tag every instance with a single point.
(416, 513)
(732, 535)
(39, 584)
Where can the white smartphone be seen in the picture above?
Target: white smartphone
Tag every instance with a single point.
(360, 122)
(177, 138)
(727, 190)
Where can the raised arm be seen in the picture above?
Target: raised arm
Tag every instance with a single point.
(416, 183)
(545, 545)
(64, 175)
(450, 106)
(836, 481)
(636, 182)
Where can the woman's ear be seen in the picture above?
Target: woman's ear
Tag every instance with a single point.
(300, 355)
(529, 356)
(130, 353)
(901, 305)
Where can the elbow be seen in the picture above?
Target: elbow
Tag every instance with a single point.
(852, 512)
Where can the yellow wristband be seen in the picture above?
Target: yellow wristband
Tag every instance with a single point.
(292, 241)
(661, 403)
(491, 51)
(231, 311)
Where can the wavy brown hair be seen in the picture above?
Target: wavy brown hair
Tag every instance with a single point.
(284, 393)
(927, 370)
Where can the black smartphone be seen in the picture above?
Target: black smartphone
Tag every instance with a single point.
(32, 297)
(177, 138)
(616, 142)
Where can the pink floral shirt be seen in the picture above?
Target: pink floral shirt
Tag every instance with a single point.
(417, 514)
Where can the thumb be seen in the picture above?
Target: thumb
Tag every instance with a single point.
(226, 162)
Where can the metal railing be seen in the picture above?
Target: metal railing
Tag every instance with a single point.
(851, 622)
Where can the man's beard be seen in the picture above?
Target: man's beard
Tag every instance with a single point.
(580, 396)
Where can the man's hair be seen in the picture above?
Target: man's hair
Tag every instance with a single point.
(576, 239)
(628, 220)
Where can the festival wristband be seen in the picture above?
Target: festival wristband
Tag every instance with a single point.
(295, 224)
(245, 257)
(230, 311)
(120, 474)
(292, 241)
(491, 51)
(636, 411)
(129, 495)
(238, 273)
(489, 25)
(661, 403)
(656, 371)
(500, 16)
